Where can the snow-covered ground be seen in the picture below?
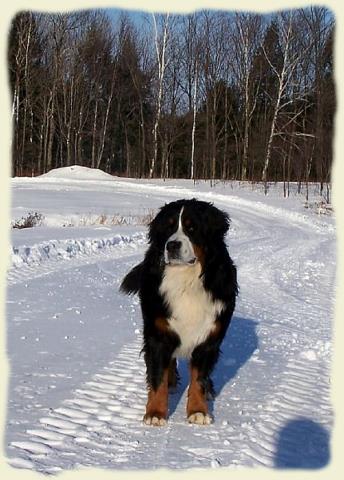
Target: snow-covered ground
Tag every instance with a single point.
(77, 390)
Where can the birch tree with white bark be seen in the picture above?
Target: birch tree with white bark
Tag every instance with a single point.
(284, 74)
(161, 37)
(191, 72)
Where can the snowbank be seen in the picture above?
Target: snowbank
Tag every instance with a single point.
(65, 249)
(77, 172)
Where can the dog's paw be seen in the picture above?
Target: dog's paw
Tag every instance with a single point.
(200, 418)
(154, 420)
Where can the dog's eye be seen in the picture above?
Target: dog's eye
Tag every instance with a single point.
(171, 223)
(188, 226)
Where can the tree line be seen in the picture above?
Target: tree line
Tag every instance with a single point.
(209, 95)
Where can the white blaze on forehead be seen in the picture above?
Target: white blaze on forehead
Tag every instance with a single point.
(180, 226)
(179, 233)
(186, 252)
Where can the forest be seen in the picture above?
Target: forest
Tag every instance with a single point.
(208, 95)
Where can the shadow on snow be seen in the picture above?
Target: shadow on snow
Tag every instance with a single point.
(302, 443)
(236, 349)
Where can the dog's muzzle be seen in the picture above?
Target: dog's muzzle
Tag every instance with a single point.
(179, 252)
(173, 248)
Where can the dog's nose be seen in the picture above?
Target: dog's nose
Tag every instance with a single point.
(173, 246)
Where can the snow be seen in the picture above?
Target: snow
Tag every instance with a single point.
(67, 249)
(77, 172)
(77, 384)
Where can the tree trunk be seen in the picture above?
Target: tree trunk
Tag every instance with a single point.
(213, 135)
(162, 66)
(94, 133)
(51, 131)
(224, 161)
(143, 133)
(194, 108)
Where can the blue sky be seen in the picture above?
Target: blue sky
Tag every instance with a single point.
(135, 15)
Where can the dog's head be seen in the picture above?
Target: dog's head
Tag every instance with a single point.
(184, 230)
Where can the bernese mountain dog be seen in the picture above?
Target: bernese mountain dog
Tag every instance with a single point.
(187, 285)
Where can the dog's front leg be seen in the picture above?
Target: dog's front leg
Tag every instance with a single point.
(197, 406)
(157, 403)
(158, 355)
(159, 345)
(202, 362)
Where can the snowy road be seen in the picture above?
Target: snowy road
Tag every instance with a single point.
(77, 390)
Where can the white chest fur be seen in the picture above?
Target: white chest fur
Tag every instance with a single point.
(193, 311)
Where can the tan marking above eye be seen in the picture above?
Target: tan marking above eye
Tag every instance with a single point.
(171, 220)
(187, 222)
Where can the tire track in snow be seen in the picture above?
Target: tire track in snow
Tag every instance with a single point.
(293, 401)
(100, 424)
(260, 208)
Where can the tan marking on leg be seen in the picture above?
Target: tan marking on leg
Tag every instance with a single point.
(197, 402)
(157, 403)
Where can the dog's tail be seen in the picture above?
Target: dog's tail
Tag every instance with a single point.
(132, 281)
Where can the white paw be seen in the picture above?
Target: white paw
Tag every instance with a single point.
(200, 418)
(156, 421)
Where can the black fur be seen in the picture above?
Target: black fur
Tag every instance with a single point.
(132, 281)
(209, 226)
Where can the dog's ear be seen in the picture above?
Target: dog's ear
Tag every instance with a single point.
(217, 221)
(153, 229)
(156, 228)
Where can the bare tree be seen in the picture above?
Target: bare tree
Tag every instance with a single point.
(290, 60)
(22, 79)
(191, 72)
(214, 95)
(215, 66)
(246, 37)
(318, 29)
(160, 47)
